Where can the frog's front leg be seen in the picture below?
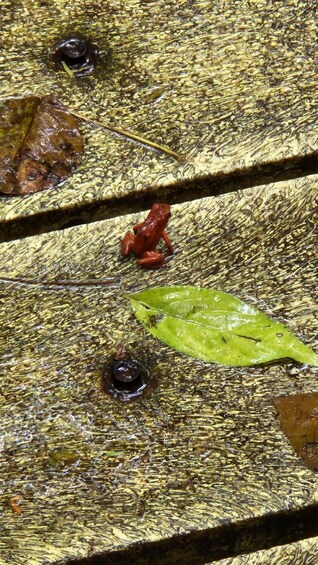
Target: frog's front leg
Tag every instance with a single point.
(137, 227)
(167, 242)
(127, 244)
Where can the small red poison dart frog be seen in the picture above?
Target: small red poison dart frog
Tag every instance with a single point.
(146, 236)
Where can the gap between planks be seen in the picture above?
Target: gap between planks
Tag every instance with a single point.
(185, 191)
(228, 540)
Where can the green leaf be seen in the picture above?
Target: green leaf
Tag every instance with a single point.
(215, 326)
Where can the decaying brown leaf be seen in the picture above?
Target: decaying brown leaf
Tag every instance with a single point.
(40, 144)
(298, 415)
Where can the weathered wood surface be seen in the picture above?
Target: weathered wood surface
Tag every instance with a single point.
(204, 448)
(228, 84)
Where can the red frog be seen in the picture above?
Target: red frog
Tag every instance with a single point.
(147, 236)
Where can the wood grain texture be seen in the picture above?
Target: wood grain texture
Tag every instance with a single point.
(229, 84)
(204, 448)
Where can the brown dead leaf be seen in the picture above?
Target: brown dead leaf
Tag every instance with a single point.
(13, 501)
(40, 144)
(298, 415)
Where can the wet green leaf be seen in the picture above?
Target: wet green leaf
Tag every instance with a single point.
(215, 326)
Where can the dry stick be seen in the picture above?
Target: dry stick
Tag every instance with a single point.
(111, 281)
(133, 136)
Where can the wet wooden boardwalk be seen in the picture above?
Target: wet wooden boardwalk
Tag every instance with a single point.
(197, 470)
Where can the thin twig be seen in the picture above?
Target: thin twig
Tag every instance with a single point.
(111, 281)
(133, 136)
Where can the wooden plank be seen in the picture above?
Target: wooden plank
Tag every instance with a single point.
(204, 448)
(231, 85)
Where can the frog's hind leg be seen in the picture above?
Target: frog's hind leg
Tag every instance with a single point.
(167, 242)
(151, 260)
